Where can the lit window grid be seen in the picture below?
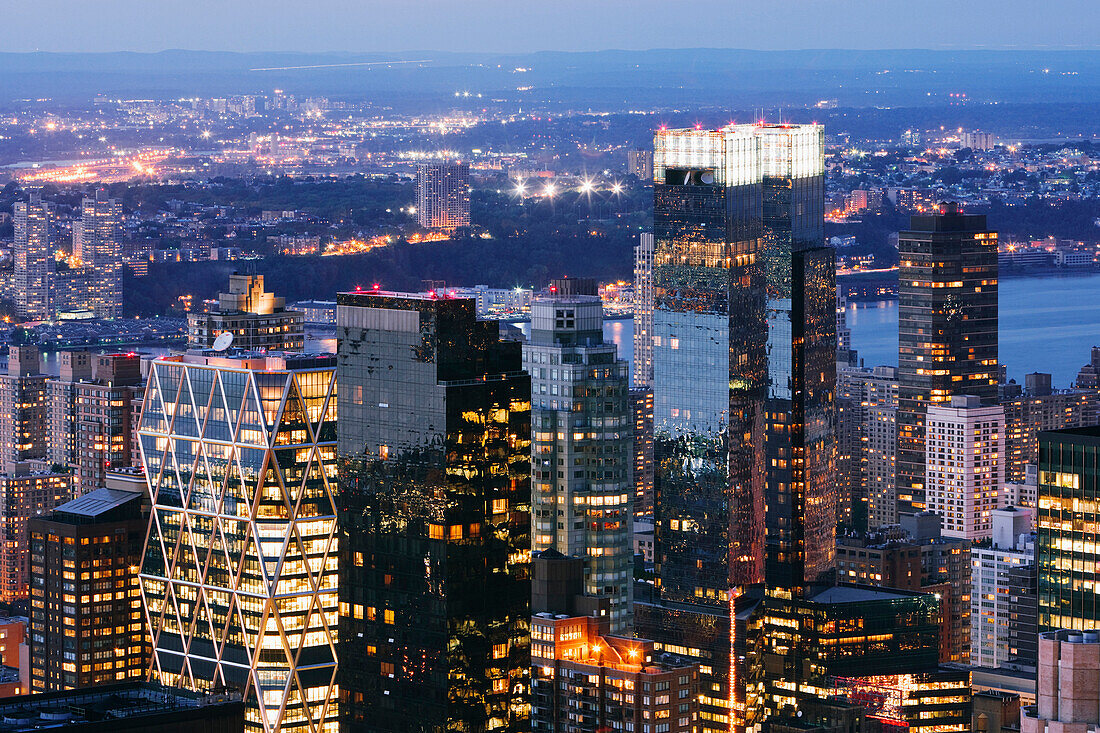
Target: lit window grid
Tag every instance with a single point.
(282, 594)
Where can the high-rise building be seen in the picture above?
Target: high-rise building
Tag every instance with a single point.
(1066, 554)
(641, 399)
(1068, 695)
(435, 492)
(639, 163)
(74, 367)
(257, 319)
(964, 464)
(33, 259)
(87, 623)
(582, 498)
(709, 385)
(101, 252)
(643, 312)
(947, 329)
(443, 195)
(867, 401)
(1029, 414)
(993, 604)
(24, 494)
(910, 137)
(93, 409)
(977, 140)
(800, 271)
(744, 343)
(23, 407)
(239, 580)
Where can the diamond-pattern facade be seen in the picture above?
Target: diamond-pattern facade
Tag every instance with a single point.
(240, 572)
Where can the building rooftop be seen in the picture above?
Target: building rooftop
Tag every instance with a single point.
(113, 708)
(1090, 434)
(252, 360)
(97, 503)
(860, 594)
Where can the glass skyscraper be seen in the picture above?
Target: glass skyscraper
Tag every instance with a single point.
(1067, 552)
(239, 577)
(947, 329)
(435, 501)
(744, 340)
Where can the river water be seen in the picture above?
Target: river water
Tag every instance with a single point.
(1047, 324)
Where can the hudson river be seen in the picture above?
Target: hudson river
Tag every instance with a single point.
(1048, 324)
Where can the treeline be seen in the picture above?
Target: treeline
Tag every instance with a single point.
(527, 260)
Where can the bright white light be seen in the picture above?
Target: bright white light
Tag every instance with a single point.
(206, 134)
(586, 186)
(617, 188)
(520, 189)
(550, 189)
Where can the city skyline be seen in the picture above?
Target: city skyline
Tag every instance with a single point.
(696, 389)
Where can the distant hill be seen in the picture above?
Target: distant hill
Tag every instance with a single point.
(696, 77)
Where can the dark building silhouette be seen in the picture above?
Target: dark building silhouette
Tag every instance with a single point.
(947, 329)
(434, 512)
(1066, 553)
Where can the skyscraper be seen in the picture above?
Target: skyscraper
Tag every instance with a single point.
(23, 406)
(435, 492)
(239, 576)
(800, 271)
(643, 312)
(744, 343)
(443, 195)
(1067, 556)
(33, 258)
(88, 630)
(947, 329)
(101, 252)
(582, 497)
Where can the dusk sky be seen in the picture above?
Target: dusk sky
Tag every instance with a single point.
(520, 25)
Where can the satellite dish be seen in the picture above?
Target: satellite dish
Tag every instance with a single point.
(223, 341)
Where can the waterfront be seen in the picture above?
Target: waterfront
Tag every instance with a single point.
(1047, 324)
